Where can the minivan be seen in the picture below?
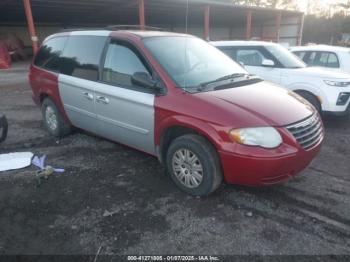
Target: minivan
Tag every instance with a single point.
(177, 98)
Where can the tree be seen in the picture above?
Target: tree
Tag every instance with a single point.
(290, 4)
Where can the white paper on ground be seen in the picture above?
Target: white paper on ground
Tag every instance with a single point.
(13, 161)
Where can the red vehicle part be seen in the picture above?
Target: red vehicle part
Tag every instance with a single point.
(5, 58)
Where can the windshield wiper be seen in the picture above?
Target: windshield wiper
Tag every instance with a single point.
(226, 77)
(248, 81)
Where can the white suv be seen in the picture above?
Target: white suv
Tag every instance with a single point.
(332, 57)
(327, 91)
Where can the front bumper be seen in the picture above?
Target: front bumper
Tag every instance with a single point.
(332, 104)
(345, 112)
(261, 167)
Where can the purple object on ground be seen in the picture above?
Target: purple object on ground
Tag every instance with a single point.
(40, 163)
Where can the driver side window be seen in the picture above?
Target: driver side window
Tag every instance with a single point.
(120, 64)
(250, 57)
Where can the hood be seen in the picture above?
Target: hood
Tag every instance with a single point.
(260, 104)
(321, 72)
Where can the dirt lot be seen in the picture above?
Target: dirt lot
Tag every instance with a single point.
(68, 213)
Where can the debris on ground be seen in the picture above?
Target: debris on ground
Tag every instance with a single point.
(13, 161)
(44, 171)
(249, 214)
(107, 213)
(40, 163)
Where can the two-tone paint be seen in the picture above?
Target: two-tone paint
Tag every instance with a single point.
(148, 122)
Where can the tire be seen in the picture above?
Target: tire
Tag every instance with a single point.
(201, 156)
(3, 128)
(312, 99)
(53, 120)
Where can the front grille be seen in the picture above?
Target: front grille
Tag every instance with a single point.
(308, 132)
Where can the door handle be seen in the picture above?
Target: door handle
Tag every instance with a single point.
(103, 100)
(88, 96)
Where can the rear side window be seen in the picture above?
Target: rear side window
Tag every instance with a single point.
(120, 64)
(81, 56)
(50, 53)
(324, 59)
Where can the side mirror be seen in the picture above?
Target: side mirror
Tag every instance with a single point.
(267, 62)
(143, 79)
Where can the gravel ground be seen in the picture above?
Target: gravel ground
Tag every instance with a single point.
(121, 200)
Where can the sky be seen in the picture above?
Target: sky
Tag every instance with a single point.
(319, 4)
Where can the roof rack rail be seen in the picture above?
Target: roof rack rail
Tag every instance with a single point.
(133, 27)
(81, 29)
(114, 27)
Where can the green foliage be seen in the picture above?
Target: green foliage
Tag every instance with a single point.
(323, 30)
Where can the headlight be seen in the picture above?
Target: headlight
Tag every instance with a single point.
(337, 83)
(267, 137)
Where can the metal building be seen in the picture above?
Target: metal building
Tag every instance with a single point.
(33, 20)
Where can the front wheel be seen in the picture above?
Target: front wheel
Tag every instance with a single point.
(194, 165)
(312, 99)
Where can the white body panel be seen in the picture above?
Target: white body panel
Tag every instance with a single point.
(119, 114)
(311, 79)
(77, 96)
(126, 116)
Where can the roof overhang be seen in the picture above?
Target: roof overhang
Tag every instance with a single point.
(104, 12)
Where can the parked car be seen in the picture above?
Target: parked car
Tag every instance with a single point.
(331, 57)
(327, 91)
(188, 104)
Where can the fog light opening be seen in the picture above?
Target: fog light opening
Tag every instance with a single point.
(343, 98)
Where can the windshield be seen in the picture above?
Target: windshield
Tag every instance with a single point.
(190, 61)
(286, 58)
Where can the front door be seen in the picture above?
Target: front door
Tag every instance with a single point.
(253, 58)
(125, 112)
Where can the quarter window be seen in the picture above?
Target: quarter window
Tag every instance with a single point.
(120, 64)
(81, 56)
(333, 61)
(50, 53)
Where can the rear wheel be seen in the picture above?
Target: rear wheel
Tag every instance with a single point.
(194, 165)
(53, 120)
(312, 99)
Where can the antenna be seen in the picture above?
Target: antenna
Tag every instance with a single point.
(186, 17)
(186, 30)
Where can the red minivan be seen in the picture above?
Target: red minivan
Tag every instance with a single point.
(178, 98)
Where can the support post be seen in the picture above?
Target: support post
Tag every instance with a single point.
(207, 22)
(300, 31)
(31, 27)
(278, 26)
(249, 25)
(142, 14)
